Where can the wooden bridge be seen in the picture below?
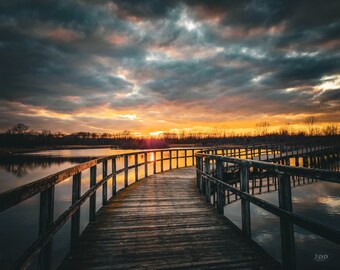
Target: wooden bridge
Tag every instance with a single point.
(172, 219)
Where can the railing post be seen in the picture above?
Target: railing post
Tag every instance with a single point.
(220, 188)
(201, 189)
(245, 205)
(93, 176)
(198, 174)
(136, 167)
(75, 221)
(170, 159)
(177, 159)
(193, 157)
(162, 162)
(207, 180)
(45, 221)
(126, 170)
(146, 164)
(155, 163)
(114, 177)
(287, 229)
(105, 184)
(207, 165)
(185, 158)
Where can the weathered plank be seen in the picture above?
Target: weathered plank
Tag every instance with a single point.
(162, 222)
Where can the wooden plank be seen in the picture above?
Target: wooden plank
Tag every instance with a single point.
(163, 222)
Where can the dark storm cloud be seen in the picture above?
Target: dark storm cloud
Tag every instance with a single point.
(331, 95)
(46, 50)
(66, 55)
(299, 14)
(300, 70)
(198, 78)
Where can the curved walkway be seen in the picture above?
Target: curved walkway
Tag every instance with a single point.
(162, 222)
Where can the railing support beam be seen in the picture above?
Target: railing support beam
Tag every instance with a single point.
(75, 221)
(114, 177)
(220, 189)
(45, 221)
(146, 164)
(136, 167)
(93, 176)
(126, 171)
(287, 229)
(245, 205)
(104, 174)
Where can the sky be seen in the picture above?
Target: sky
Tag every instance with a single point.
(168, 66)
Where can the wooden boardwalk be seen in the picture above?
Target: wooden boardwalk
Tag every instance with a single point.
(162, 222)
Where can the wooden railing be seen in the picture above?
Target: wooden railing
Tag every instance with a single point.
(42, 247)
(213, 166)
(153, 161)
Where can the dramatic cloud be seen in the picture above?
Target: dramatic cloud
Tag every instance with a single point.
(168, 65)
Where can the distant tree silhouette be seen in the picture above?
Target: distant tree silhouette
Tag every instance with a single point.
(311, 122)
(20, 136)
(19, 128)
(262, 128)
(331, 130)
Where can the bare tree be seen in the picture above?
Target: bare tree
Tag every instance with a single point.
(126, 134)
(311, 122)
(262, 128)
(331, 130)
(19, 128)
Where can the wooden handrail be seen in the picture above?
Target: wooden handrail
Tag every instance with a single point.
(211, 178)
(45, 186)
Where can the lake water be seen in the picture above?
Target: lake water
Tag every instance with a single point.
(19, 225)
(319, 202)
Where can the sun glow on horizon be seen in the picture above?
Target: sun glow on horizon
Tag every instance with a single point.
(156, 133)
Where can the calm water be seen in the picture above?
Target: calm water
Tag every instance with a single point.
(317, 201)
(19, 225)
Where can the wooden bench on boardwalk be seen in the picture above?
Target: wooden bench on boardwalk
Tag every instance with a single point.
(163, 222)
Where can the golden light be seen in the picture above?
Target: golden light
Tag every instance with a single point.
(156, 133)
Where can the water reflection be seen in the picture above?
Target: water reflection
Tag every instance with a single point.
(20, 165)
(317, 201)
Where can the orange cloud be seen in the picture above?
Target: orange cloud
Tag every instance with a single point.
(117, 40)
(63, 34)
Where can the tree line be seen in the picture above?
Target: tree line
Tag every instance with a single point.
(21, 136)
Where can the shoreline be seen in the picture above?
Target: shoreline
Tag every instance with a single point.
(10, 151)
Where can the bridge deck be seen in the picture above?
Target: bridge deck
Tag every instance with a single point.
(162, 222)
